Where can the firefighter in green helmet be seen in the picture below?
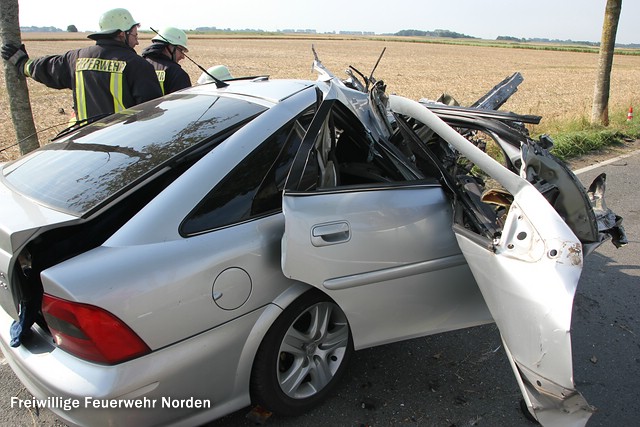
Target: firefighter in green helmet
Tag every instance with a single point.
(105, 78)
(167, 49)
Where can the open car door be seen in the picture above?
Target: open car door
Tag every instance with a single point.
(528, 276)
(527, 263)
(356, 217)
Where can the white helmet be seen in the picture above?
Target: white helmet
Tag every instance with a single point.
(173, 36)
(220, 72)
(113, 21)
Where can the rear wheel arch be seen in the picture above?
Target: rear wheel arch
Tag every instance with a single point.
(260, 329)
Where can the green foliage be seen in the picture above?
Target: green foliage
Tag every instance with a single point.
(72, 29)
(572, 144)
(510, 39)
(435, 33)
(508, 44)
(578, 137)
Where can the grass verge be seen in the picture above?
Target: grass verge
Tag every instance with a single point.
(577, 137)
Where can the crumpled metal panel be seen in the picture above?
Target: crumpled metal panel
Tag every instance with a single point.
(528, 277)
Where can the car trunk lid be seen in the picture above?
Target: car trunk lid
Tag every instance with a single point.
(20, 220)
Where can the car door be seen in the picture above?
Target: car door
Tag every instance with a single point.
(380, 244)
(528, 277)
(528, 273)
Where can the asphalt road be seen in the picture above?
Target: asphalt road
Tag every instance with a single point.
(463, 378)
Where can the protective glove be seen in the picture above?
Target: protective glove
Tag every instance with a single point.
(14, 54)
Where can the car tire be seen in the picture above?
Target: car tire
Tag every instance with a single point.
(302, 357)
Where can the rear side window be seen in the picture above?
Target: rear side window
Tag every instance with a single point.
(254, 187)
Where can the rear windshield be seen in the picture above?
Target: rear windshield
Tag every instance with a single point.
(91, 165)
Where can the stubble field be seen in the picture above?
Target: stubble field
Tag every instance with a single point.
(557, 85)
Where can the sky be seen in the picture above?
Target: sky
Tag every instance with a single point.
(578, 20)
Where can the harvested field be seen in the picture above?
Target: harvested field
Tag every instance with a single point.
(557, 85)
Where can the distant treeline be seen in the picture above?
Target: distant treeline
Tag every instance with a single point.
(576, 42)
(405, 33)
(40, 29)
(454, 35)
(434, 33)
(543, 40)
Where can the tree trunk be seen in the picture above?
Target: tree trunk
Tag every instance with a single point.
(600, 112)
(16, 83)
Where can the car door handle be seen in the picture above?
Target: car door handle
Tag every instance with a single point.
(330, 233)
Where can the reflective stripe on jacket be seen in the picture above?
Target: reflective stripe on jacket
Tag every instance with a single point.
(105, 78)
(170, 74)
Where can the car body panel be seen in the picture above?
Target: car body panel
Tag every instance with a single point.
(528, 276)
(529, 285)
(259, 90)
(185, 275)
(397, 251)
(168, 373)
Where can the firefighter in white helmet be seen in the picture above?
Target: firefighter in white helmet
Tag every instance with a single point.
(220, 72)
(105, 78)
(168, 47)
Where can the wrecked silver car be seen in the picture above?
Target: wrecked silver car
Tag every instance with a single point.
(232, 244)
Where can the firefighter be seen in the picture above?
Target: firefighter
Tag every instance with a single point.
(105, 78)
(220, 72)
(168, 48)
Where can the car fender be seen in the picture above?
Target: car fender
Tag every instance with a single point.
(260, 329)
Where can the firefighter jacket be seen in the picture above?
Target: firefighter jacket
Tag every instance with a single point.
(105, 78)
(170, 74)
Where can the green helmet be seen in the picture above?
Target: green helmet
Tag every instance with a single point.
(220, 72)
(173, 36)
(113, 21)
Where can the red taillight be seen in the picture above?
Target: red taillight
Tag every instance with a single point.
(91, 333)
